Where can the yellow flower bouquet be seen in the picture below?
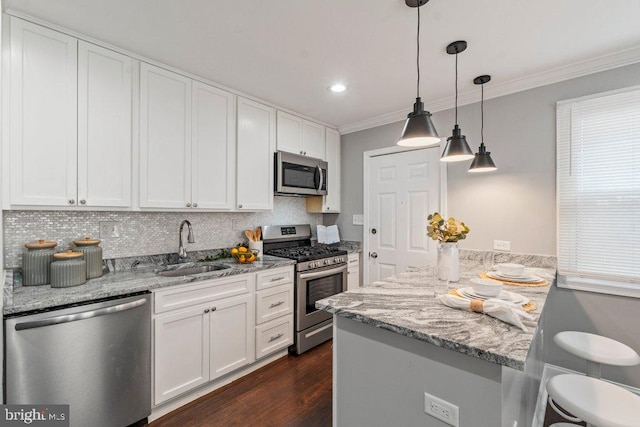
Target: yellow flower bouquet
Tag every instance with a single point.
(446, 230)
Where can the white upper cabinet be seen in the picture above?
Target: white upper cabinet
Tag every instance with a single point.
(331, 202)
(299, 136)
(165, 138)
(213, 147)
(70, 118)
(313, 144)
(104, 127)
(256, 146)
(43, 116)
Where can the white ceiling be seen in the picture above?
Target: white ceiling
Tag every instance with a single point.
(288, 51)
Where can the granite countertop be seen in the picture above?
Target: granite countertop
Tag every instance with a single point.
(28, 298)
(405, 304)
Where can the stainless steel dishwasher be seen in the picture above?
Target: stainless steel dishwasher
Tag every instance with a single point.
(94, 357)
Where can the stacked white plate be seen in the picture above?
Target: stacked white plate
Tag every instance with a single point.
(511, 297)
(523, 278)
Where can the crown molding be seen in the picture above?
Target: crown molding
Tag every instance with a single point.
(494, 90)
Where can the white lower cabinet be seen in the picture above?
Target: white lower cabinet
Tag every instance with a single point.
(353, 271)
(206, 330)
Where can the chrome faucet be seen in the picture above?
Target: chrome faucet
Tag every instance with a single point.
(182, 252)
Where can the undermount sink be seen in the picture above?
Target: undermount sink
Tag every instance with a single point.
(191, 270)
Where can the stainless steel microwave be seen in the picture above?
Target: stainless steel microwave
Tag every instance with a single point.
(299, 175)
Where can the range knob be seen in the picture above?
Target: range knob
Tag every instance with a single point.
(326, 262)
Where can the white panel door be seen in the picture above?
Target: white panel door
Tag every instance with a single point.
(104, 127)
(403, 189)
(43, 116)
(165, 138)
(256, 146)
(181, 352)
(331, 202)
(213, 143)
(313, 144)
(232, 334)
(289, 134)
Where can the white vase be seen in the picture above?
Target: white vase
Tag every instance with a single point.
(448, 256)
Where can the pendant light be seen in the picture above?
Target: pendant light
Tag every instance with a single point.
(457, 149)
(482, 161)
(418, 129)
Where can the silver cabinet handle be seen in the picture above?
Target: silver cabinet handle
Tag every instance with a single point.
(72, 202)
(206, 310)
(188, 205)
(83, 201)
(275, 279)
(80, 316)
(275, 304)
(195, 205)
(373, 255)
(275, 337)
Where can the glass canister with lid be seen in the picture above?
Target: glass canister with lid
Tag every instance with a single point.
(92, 255)
(36, 262)
(68, 269)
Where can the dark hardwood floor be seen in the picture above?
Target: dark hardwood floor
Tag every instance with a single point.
(292, 391)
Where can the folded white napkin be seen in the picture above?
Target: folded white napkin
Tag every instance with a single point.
(503, 310)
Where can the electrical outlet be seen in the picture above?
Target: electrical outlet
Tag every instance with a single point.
(109, 229)
(502, 245)
(441, 409)
(358, 219)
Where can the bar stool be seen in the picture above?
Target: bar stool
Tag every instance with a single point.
(597, 402)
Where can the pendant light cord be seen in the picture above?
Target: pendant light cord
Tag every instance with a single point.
(482, 114)
(418, 55)
(456, 88)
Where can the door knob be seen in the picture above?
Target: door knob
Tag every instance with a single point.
(373, 255)
(374, 231)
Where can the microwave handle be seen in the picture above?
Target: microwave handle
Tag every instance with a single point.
(321, 182)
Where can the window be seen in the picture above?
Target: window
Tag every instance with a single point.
(598, 192)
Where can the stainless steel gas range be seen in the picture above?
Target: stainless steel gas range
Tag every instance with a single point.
(321, 271)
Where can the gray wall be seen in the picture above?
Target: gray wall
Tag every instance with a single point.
(516, 203)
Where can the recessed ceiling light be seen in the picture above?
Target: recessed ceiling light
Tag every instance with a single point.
(338, 87)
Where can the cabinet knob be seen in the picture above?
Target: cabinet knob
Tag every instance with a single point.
(206, 310)
(214, 308)
(239, 206)
(195, 205)
(83, 202)
(305, 153)
(72, 202)
(301, 152)
(328, 208)
(188, 205)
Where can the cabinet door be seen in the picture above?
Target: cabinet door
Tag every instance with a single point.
(181, 352)
(353, 271)
(256, 146)
(104, 127)
(165, 138)
(289, 133)
(331, 202)
(43, 116)
(232, 334)
(313, 140)
(213, 142)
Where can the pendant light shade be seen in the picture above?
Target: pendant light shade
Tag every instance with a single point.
(482, 162)
(418, 130)
(457, 149)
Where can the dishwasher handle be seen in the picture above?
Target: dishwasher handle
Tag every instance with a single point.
(80, 316)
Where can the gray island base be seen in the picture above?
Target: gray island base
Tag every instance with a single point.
(394, 344)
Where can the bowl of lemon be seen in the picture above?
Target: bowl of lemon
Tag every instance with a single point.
(244, 255)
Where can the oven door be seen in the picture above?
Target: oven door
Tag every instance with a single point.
(300, 174)
(315, 285)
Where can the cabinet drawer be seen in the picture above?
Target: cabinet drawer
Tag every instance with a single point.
(274, 302)
(185, 296)
(353, 259)
(270, 278)
(273, 336)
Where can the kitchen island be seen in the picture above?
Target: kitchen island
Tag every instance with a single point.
(394, 342)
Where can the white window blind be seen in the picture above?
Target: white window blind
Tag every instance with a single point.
(598, 189)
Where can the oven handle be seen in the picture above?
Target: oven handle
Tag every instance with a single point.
(322, 273)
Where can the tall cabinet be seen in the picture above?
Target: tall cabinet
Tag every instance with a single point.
(70, 121)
